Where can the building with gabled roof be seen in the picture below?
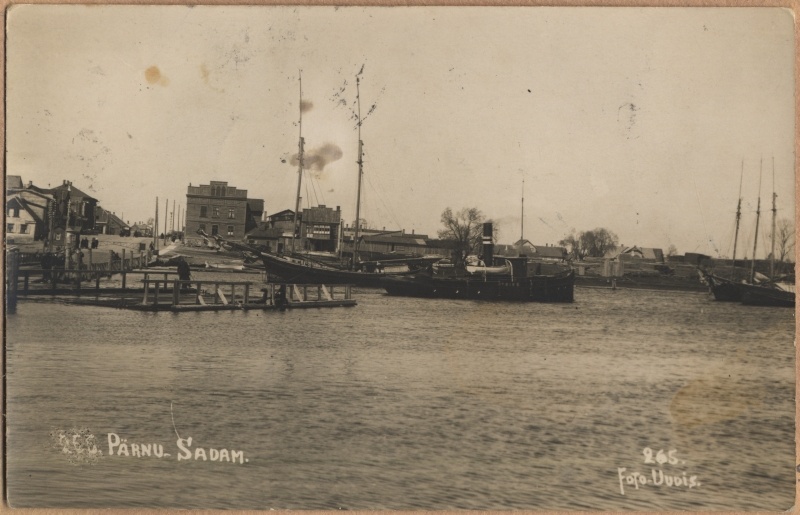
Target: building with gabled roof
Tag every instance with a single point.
(636, 252)
(524, 248)
(107, 222)
(27, 214)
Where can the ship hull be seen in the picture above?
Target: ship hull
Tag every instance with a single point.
(292, 271)
(540, 288)
(753, 295)
(724, 290)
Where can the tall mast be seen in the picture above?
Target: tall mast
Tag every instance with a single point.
(300, 161)
(522, 218)
(758, 219)
(738, 218)
(360, 174)
(774, 214)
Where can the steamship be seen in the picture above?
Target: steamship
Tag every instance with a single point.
(494, 279)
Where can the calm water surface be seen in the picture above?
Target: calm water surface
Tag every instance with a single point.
(409, 404)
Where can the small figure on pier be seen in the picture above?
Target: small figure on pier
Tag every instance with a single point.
(280, 298)
(184, 272)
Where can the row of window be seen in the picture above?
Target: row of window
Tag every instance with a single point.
(215, 212)
(23, 228)
(215, 229)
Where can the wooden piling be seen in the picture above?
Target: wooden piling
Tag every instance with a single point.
(12, 274)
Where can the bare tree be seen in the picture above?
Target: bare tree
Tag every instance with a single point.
(672, 250)
(784, 239)
(465, 228)
(598, 242)
(594, 243)
(572, 242)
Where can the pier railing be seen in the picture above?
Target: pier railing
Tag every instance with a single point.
(195, 292)
(79, 277)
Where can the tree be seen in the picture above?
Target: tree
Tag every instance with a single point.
(672, 250)
(598, 242)
(572, 242)
(465, 228)
(784, 239)
(594, 243)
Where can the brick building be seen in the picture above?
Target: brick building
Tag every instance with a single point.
(217, 208)
(319, 228)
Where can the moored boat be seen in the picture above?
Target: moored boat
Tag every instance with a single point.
(769, 294)
(725, 290)
(510, 281)
(303, 271)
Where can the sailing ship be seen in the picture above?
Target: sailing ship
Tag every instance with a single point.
(509, 280)
(770, 292)
(757, 289)
(728, 289)
(299, 267)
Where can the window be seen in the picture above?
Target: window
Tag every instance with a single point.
(23, 228)
(215, 212)
(13, 211)
(203, 211)
(203, 227)
(218, 191)
(214, 230)
(230, 230)
(9, 227)
(231, 213)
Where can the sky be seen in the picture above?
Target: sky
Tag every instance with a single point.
(638, 120)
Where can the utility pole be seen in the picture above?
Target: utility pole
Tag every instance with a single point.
(166, 215)
(155, 227)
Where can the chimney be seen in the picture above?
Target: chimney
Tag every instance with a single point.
(412, 231)
(488, 246)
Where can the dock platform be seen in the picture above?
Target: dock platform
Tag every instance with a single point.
(163, 291)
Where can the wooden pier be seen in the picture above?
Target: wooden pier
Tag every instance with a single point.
(159, 290)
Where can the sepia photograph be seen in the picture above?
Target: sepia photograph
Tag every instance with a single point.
(400, 258)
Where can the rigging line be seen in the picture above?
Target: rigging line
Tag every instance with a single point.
(316, 185)
(308, 198)
(388, 209)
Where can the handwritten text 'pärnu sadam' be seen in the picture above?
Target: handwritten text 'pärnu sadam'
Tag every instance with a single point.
(186, 451)
(670, 478)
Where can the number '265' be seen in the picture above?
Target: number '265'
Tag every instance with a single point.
(660, 457)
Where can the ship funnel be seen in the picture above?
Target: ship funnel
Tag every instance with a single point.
(488, 245)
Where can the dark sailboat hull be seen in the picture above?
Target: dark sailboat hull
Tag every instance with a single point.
(727, 291)
(539, 288)
(724, 290)
(294, 271)
(754, 295)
